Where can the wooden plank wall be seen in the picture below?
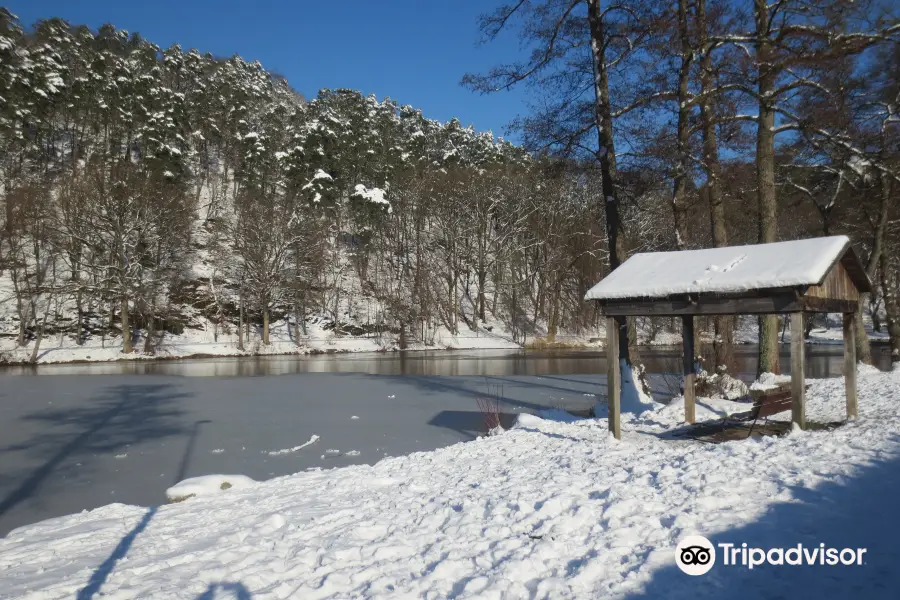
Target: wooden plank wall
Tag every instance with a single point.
(837, 286)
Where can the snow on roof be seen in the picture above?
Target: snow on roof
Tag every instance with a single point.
(722, 270)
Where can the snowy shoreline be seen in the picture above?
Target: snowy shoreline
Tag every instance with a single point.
(173, 352)
(547, 509)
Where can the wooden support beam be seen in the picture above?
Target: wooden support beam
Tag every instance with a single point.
(798, 368)
(777, 303)
(687, 336)
(705, 305)
(828, 305)
(850, 363)
(613, 378)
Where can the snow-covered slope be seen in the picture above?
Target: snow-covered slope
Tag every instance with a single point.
(546, 510)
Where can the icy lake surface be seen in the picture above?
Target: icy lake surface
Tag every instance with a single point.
(88, 435)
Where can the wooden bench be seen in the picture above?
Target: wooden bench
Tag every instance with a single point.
(771, 403)
(768, 403)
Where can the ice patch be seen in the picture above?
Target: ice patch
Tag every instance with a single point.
(312, 440)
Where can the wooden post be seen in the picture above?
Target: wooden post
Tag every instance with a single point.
(798, 366)
(687, 337)
(850, 363)
(613, 377)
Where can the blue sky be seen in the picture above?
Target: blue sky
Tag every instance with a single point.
(414, 51)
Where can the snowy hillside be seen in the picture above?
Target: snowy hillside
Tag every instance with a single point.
(549, 509)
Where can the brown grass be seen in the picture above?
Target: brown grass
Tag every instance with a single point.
(489, 407)
(545, 344)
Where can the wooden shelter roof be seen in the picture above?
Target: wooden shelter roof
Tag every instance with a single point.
(818, 275)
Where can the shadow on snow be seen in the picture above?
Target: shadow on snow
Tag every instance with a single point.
(857, 512)
(102, 573)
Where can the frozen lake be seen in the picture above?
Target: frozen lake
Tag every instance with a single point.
(82, 436)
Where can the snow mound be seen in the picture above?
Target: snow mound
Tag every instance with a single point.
(671, 415)
(206, 485)
(634, 398)
(864, 369)
(543, 417)
(720, 385)
(768, 381)
(528, 421)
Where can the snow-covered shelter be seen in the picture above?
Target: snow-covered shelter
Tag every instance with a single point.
(796, 277)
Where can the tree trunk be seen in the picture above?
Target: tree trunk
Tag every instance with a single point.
(79, 332)
(482, 280)
(39, 336)
(679, 193)
(240, 344)
(498, 285)
(126, 330)
(889, 288)
(874, 307)
(606, 156)
(454, 306)
(296, 323)
(266, 325)
(863, 347)
(303, 311)
(723, 337)
(150, 329)
(765, 173)
(20, 307)
(553, 318)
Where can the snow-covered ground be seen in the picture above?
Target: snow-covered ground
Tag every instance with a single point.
(549, 509)
(827, 329)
